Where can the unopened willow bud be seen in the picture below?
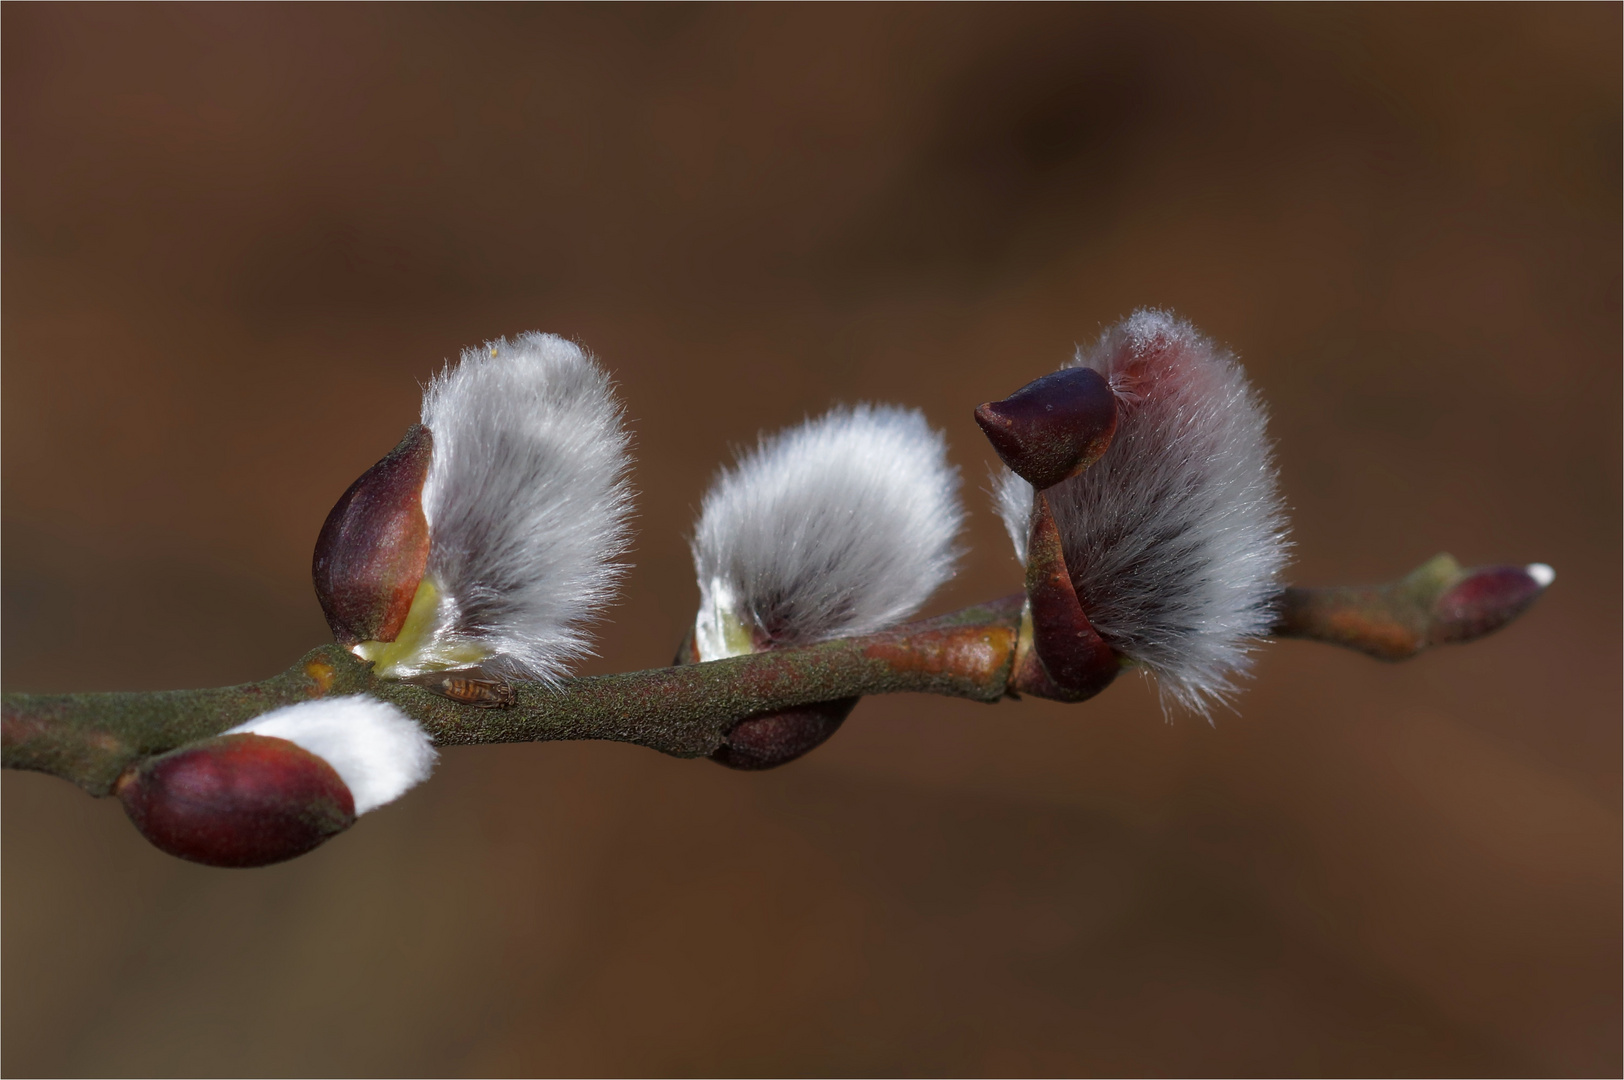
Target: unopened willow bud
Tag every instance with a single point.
(764, 742)
(237, 800)
(1486, 599)
(770, 739)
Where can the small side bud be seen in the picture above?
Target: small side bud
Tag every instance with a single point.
(374, 546)
(765, 742)
(1486, 599)
(771, 739)
(237, 800)
(1054, 427)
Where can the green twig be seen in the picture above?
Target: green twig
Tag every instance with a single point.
(982, 653)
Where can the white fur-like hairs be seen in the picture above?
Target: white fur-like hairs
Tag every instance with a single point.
(843, 525)
(1176, 538)
(378, 751)
(527, 503)
(1012, 497)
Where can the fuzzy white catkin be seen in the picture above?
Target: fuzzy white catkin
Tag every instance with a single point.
(527, 502)
(1176, 538)
(843, 525)
(378, 751)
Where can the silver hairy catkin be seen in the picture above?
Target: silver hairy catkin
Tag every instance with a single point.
(377, 750)
(843, 525)
(1176, 538)
(527, 501)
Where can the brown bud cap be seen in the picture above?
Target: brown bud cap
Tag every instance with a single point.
(237, 800)
(765, 742)
(1075, 657)
(1054, 427)
(1486, 599)
(374, 547)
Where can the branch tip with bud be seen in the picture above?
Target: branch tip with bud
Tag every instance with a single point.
(1439, 603)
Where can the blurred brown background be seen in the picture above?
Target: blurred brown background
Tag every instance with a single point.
(237, 237)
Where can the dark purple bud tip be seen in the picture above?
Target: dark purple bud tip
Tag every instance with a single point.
(1053, 427)
(374, 547)
(765, 742)
(237, 800)
(1486, 599)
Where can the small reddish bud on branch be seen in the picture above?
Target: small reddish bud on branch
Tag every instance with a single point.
(1486, 599)
(765, 742)
(1438, 603)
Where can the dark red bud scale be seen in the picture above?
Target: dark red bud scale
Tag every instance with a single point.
(237, 800)
(764, 742)
(773, 739)
(1076, 658)
(374, 546)
(1054, 427)
(1482, 602)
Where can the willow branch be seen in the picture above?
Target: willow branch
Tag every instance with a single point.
(982, 653)
(90, 739)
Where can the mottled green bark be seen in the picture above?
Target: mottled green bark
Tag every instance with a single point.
(685, 711)
(982, 653)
